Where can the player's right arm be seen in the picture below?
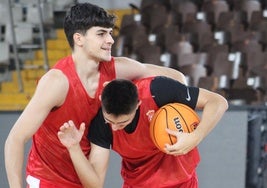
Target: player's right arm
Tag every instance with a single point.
(50, 92)
(91, 171)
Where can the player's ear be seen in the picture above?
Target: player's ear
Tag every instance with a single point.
(105, 83)
(77, 38)
(138, 104)
(99, 97)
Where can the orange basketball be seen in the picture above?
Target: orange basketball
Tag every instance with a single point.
(174, 116)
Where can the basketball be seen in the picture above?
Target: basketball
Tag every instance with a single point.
(174, 116)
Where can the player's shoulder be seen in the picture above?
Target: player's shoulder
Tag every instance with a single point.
(123, 60)
(54, 77)
(54, 74)
(128, 68)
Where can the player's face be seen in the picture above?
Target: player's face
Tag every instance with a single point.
(119, 122)
(98, 42)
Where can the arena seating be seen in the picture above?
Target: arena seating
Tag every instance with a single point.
(227, 32)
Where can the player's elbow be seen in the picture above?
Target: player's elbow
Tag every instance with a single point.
(222, 103)
(12, 141)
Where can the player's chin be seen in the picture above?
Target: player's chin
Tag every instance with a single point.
(106, 57)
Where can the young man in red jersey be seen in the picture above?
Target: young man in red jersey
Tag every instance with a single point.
(123, 125)
(69, 90)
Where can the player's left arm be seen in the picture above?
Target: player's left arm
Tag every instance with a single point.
(127, 68)
(214, 107)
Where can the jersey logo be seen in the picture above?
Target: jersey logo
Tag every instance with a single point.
(150, 114)
(188, 98)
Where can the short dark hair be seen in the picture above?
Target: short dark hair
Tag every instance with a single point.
(83, 16)
(119, 97)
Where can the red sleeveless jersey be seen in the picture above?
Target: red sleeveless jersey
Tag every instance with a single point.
(48, 159)
(143, 165)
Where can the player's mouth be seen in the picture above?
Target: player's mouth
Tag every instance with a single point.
(106, 49)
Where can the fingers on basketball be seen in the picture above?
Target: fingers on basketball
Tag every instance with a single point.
(174, 116)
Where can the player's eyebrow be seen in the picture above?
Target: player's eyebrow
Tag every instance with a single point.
(114, 122)
(104, 30)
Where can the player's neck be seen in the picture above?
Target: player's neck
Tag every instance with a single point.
(86, 66)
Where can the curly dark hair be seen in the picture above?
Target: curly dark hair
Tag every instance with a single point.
(83, 16)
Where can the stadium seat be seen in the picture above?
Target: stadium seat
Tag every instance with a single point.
(5, 53)
(215, 8)
(149, 53)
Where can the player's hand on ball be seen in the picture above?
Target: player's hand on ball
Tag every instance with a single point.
(180, 121)
(69, 135)
(185, 143)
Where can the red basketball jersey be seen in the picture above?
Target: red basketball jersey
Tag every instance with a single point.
(143, 165)
(48, 159)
